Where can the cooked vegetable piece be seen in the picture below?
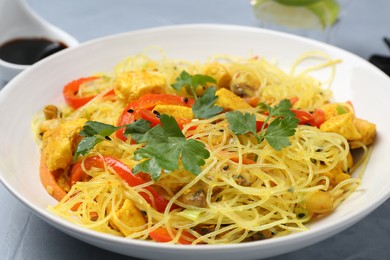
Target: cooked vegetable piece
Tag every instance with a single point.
(48, 180)
(162, 235)
(148, 102)
(71, 92)
(50, 112)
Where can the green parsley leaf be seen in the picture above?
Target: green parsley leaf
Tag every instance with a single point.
(170, 127)
(138, 129)
(341, 110)
(86, 144)
(149, 166)
(93, 133)
(165, 145)
(159, 157)
(192, 82)
(184, 79)
(283, 109)
(282, 127)
(241, 123)
(202, 80)
(193, 155)
(204, 105)
(277, 133)
(92, 128)
(279, 130)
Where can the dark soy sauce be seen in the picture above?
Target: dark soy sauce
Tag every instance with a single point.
(26, 51)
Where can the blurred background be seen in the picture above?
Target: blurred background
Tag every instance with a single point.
(361, 29)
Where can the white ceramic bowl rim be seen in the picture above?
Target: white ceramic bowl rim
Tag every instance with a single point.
(13, 65)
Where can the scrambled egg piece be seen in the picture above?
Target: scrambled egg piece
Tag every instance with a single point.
(59, 143)
(175, 111)
(127, 218)
(346, 124)
(320, 202)
(132, 85)
(343, 125)
(230, 101)
(48, 124)
(336, 176)
(217, 71)
(367, 131)
(332, 109)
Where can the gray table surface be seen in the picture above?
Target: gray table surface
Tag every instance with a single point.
(25, 236)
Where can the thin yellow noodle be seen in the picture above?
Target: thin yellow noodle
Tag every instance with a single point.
(328, 63)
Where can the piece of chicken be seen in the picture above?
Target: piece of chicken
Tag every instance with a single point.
(230, 101)
(127, 218)
(59, 143)
(132, 85)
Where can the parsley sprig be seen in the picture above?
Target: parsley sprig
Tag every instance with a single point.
(204, 106)
(280, 124)
(165, 145)
(93, 133)
(191, 82)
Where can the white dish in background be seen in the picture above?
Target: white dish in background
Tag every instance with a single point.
(19, 21)
(356, 80)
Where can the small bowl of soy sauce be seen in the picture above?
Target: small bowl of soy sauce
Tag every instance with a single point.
(18, 54)
(26, 38)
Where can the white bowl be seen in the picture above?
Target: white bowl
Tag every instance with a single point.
(356, 80)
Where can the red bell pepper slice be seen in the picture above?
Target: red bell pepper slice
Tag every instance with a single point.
(318, 117)
(150, 116)
(71, 89)
(162, 235)
(293, 100)
(244, 160)
(160, 203)
(155, 119)
(49, 181)
(136, 109)
(259, 125)
(306, 118)
(303, 116)
(77, 174)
